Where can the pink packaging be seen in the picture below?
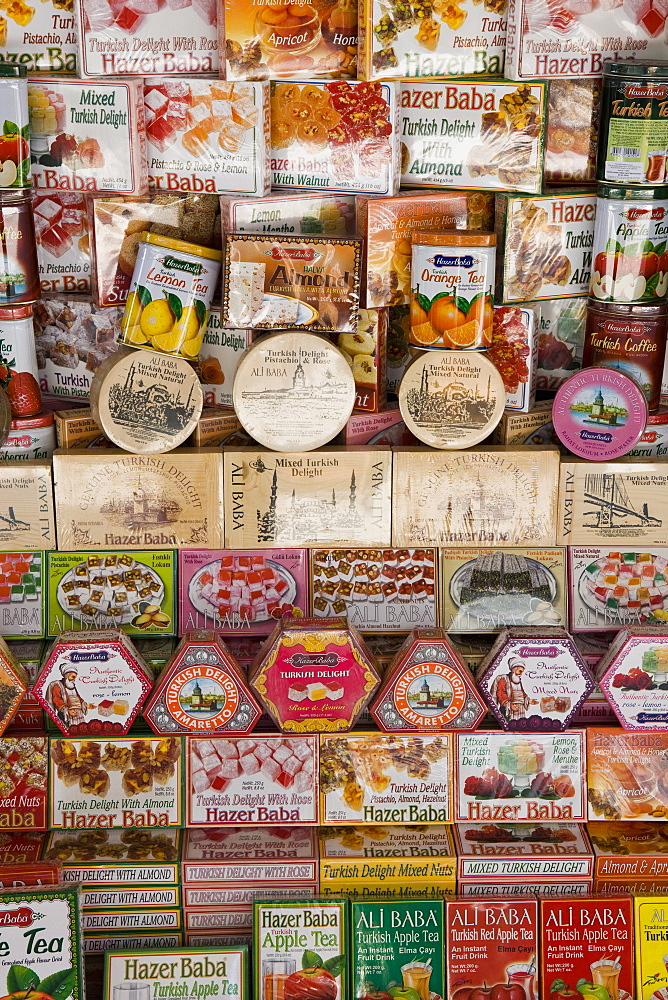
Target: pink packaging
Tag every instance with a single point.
(252, 781)
(147, 37)
(88, 135)
(514, 353)
(241, 591)
(377, 428)
(63, 243)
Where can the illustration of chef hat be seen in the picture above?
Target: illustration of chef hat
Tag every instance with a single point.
(68, 668)
(515, 661)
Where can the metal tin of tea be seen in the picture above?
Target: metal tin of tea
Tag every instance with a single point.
(18, 361)
(633, 136)
(15, 137)
(630, 339)
(452, 291)
(19, 273)
(599, 414)
(172, 286)
(30, 439)
(630, 258)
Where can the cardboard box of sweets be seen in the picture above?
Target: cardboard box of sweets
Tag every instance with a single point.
(125, 783)
(301, 213)
(219, 356)
(626, 776)
(26, 505)
(228, 866)
(128, 868)
(400, 926)
(63, 241)
(128, 921)
(96, 943)
(479, 134)
(364, 778)
(380, 590)
(22, 596)
(252, 781)
(388, 862)
(612, 588)
(338, 136)
(544, 245)
(520, 778)
(107, 497)
(108, 152)
(132, 590)
(339, 496)
(623, 504)
(550, 859)
(24, 761)
(485, 590)
(483, 496)
(629, 857)
(21, 864)
(207, 135)
(241, 590)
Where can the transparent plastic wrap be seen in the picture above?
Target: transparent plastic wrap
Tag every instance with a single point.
(388, 224)
(481, 135)
(147, 37)
(291, 282)
(207, 135)
(566, 40)
(53, 19)
(73, 337)
(75, 149)
(117, 224)
(431, 38)
(544, 245)
(366, 352)
(269, 41)
(626, 775)
(63, 242)
(335, 136)
(302, 213)
(561, 325)
(573, 109)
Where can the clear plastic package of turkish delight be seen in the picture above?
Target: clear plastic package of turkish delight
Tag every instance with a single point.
(63, 243)
(73, 338)
(207, 135)
(147, 37)
(117, 224)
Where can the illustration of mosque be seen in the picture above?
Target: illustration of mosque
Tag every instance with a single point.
(153, 405)
(453, 403)
(311, 516)
(299, 388)
(144, 507)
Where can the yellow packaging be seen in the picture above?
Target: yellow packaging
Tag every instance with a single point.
(387, 862)
(651, 946)
(173, 284)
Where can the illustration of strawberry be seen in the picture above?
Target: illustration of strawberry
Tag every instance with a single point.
(24, 394)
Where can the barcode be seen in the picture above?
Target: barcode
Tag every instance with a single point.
(624, 151)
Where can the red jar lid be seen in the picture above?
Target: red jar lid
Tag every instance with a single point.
(15, 312)
(660, 417)
(43, 419)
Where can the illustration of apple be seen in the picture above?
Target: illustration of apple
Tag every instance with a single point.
(509, 991)
(560, 991)
(375, 995)
(649, 265)
(311, 984)
(597, 992)
(13, 150)
(404, 993)
(480, 992)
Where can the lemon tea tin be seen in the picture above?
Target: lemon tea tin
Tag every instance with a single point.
(172, 287)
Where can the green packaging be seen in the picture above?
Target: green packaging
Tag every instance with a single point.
(299, 949)
(177, 972)
(397, 949)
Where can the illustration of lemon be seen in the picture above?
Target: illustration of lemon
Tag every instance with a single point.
(132, 312)
(134, 335)
(168, 342)
(188, 324)
(156, 318)
(191, 348)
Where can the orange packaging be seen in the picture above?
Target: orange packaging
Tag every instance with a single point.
(291, 283)
(626, 775)
(452, 290)
(387, 225)
(294, 41)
